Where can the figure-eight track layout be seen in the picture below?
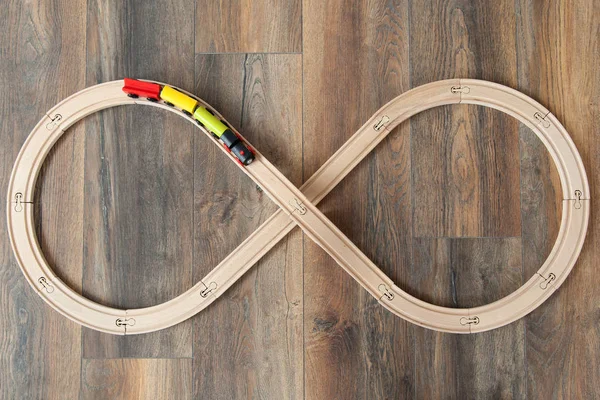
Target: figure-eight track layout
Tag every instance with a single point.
(297, 206)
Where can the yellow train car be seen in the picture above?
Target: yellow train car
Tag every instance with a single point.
(180, 100)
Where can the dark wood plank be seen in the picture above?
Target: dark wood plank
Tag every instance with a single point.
(355, 60)
(139, 175)
(482, 366)
(268, 26)
(43, 61)
(465, 169)
(541, 201)
(466, 183)
(251, 337)
(558, 66)
(137, 379)
(465, 272)
(466, 172)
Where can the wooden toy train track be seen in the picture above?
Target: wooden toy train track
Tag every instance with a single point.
(297, 207)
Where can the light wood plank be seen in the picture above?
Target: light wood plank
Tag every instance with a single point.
(252, 336)
(139, 176)
(258, 26)
(137, 379)
(355, 60)
(43, 61)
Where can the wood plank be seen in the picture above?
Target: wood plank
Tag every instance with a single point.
(466, 183)
(137, 379)
(355, 60)
(42, 62)
(468, 366)
(454, 147)
(354, 348)
(251, 337)
(139, 176)
(258, 26)
(558, 66)
(465, 272)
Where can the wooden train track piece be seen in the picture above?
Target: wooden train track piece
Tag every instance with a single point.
(297, 207)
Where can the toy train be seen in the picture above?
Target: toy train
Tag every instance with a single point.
(190, 107)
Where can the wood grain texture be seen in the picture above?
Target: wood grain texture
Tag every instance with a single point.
(453, 150)
(134, 205)
(465, 272)
(355, 60)
(482, 366)
(43, 47)
(466, 183)
(138, 176)
(558, 66)
(137, 379)
(252, 336)
(465, 173)
(258, 26)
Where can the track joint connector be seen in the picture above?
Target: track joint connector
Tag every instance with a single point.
(382, 122)
(578, 195)
(547, 281)
(387, 293)
(208, 289)
(125, 322)
(46, 285)
(19, 202)
(469, 321)
(298, 206)
(460, 89)
(542, 120)
(54, 121)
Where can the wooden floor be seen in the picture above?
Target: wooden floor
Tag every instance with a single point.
(459, 206)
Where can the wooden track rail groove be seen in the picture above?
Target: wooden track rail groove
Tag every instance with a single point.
(297, 207)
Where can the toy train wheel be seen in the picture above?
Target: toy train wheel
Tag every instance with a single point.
(152, 99)
(189, 114)
(133, 96)
(169, 104)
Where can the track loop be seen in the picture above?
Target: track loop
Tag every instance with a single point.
(301, 211)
